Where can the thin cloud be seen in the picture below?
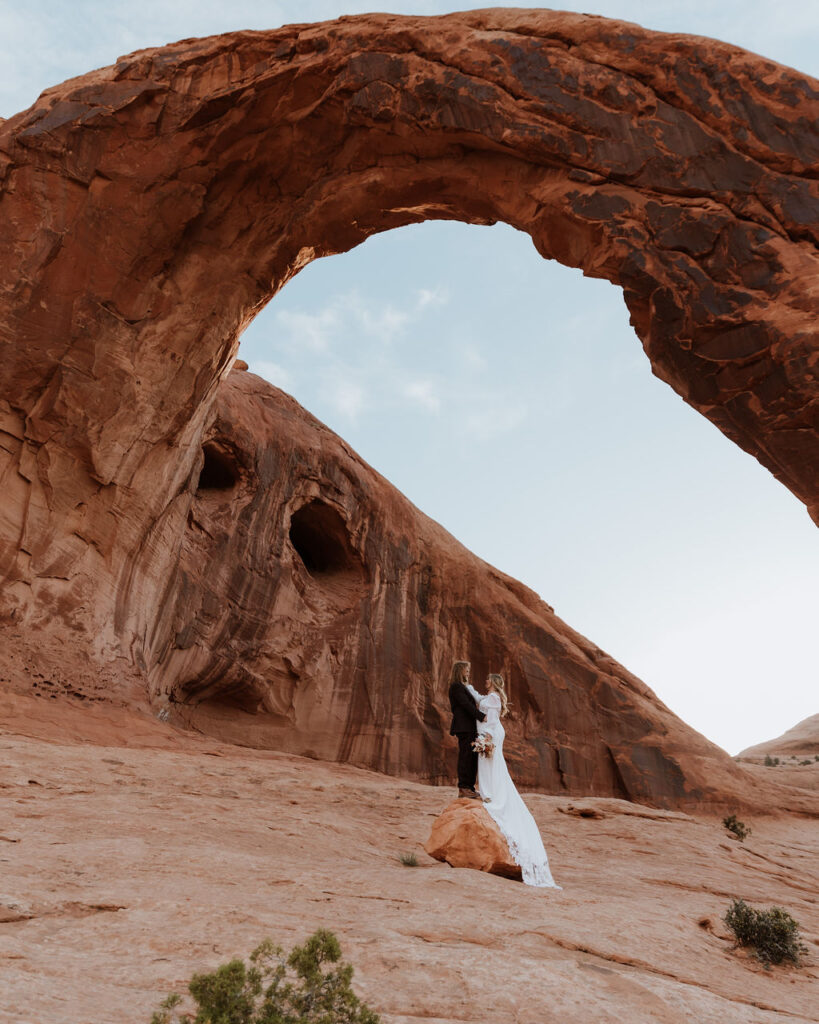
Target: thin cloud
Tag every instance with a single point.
(432, 297)
(312, 329)
(347, 397)
(422, 392)
(384, 323)
(496, 420)
(345, 313)
(474, 360)
(274, 374)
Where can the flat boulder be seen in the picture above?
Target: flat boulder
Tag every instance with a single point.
(465, 836)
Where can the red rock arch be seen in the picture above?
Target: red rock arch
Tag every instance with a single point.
(151, 208)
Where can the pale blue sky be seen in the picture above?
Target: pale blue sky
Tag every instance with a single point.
(509, 399)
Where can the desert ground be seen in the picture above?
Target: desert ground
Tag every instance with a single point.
(134, 854)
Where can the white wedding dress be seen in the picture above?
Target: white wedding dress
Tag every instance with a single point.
(504, 803)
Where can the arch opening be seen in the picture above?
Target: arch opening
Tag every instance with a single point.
(625, 473)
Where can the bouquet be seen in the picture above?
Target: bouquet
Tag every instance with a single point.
(483, 745)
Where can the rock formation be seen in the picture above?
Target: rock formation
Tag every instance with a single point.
(175, 531)
(312, 608)
(800, 741)
(465, 836)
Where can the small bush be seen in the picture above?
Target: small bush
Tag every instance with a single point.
(739, 828)
(409, 860)
(771, 761)
(275, 989)
(803, 763)
(773, 933)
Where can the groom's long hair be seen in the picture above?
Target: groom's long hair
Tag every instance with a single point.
(458, 672)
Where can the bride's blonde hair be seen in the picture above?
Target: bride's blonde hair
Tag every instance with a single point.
(498, 685)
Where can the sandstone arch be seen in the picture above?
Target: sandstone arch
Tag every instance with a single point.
(151, 208)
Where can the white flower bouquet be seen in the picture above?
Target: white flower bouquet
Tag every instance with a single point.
(483, 745)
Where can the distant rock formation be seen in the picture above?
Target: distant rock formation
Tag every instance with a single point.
(177, 534)
(800, 741)
(465, 836)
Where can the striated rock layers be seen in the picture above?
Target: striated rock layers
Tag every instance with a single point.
(172, 530)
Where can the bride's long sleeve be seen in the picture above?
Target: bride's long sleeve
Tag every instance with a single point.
(491, 705)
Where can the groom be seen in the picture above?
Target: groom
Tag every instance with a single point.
(465, 718)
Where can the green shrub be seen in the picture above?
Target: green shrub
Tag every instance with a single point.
(274, 989)
(773, 933)
(409, 860)
(771, 761)
(739, 828)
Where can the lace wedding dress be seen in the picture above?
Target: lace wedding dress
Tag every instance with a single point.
(504, 803)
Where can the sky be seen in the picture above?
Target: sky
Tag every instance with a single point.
(510, 400)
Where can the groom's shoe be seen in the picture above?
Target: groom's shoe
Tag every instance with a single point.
(467, 794)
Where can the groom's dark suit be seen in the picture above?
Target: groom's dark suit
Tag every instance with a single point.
(465, 718)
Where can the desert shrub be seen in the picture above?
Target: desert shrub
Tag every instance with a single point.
(771, 761)
(297, 989)
(739, 828)
(773, 933)
(803, 763)
(409, 860)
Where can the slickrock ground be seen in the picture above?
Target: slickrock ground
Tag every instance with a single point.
(127, 866)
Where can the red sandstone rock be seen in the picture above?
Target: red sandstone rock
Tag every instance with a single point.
(153, 864)
(192, 540)
(802, 741)
(465, 836)
(311, 608)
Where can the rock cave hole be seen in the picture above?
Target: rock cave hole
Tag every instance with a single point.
(220, 471)
(236, 696)
(320, 538)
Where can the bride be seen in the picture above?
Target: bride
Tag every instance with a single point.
(501, 798)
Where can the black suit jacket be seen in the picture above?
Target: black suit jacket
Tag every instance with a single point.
(465, 714)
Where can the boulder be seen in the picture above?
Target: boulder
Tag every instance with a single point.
(465, 836)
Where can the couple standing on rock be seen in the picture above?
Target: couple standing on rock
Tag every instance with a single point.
(476, 721)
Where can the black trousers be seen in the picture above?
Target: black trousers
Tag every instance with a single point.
(467, 761)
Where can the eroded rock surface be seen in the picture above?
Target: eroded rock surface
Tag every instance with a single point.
(170, 533)
(154, 861)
